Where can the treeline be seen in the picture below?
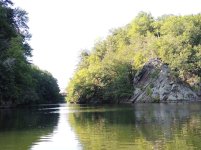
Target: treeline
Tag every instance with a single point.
(105, 73)
(20, 81)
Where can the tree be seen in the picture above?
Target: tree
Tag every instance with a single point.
(106, 73)
(20, 83)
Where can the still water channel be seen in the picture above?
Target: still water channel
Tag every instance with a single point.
(115, 127)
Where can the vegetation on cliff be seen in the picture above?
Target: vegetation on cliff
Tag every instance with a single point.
(105, 73)
(20, 81)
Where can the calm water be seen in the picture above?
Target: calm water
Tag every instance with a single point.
(73, 127)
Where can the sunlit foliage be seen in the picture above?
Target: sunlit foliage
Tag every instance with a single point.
(106, 73)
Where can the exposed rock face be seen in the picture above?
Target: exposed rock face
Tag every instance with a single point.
(154, 83)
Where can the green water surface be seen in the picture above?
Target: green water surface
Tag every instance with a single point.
(107, 127)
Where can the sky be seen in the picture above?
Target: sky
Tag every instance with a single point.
(61, 29)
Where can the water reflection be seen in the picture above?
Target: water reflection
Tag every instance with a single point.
(19, 128)
(143, 126)
(74, 127)
(62, 137)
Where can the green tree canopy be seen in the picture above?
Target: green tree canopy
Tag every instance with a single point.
(106, 73)
(20, 82)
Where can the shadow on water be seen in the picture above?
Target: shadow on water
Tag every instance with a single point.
(142, 126)
(19, 128)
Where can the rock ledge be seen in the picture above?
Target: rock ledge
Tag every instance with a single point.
(154, 83)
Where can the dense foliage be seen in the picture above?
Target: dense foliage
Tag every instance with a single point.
(106, 72)
(20, 81)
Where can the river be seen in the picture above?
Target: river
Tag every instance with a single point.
(107, 127)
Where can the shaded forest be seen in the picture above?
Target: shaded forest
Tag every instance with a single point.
(20, 81)
(105, 73)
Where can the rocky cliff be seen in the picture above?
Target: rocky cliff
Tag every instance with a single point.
(155, 83)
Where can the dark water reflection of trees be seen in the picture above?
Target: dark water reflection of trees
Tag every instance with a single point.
(19, 128)
(142, 126)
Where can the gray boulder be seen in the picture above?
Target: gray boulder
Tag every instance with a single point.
(154, 83)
